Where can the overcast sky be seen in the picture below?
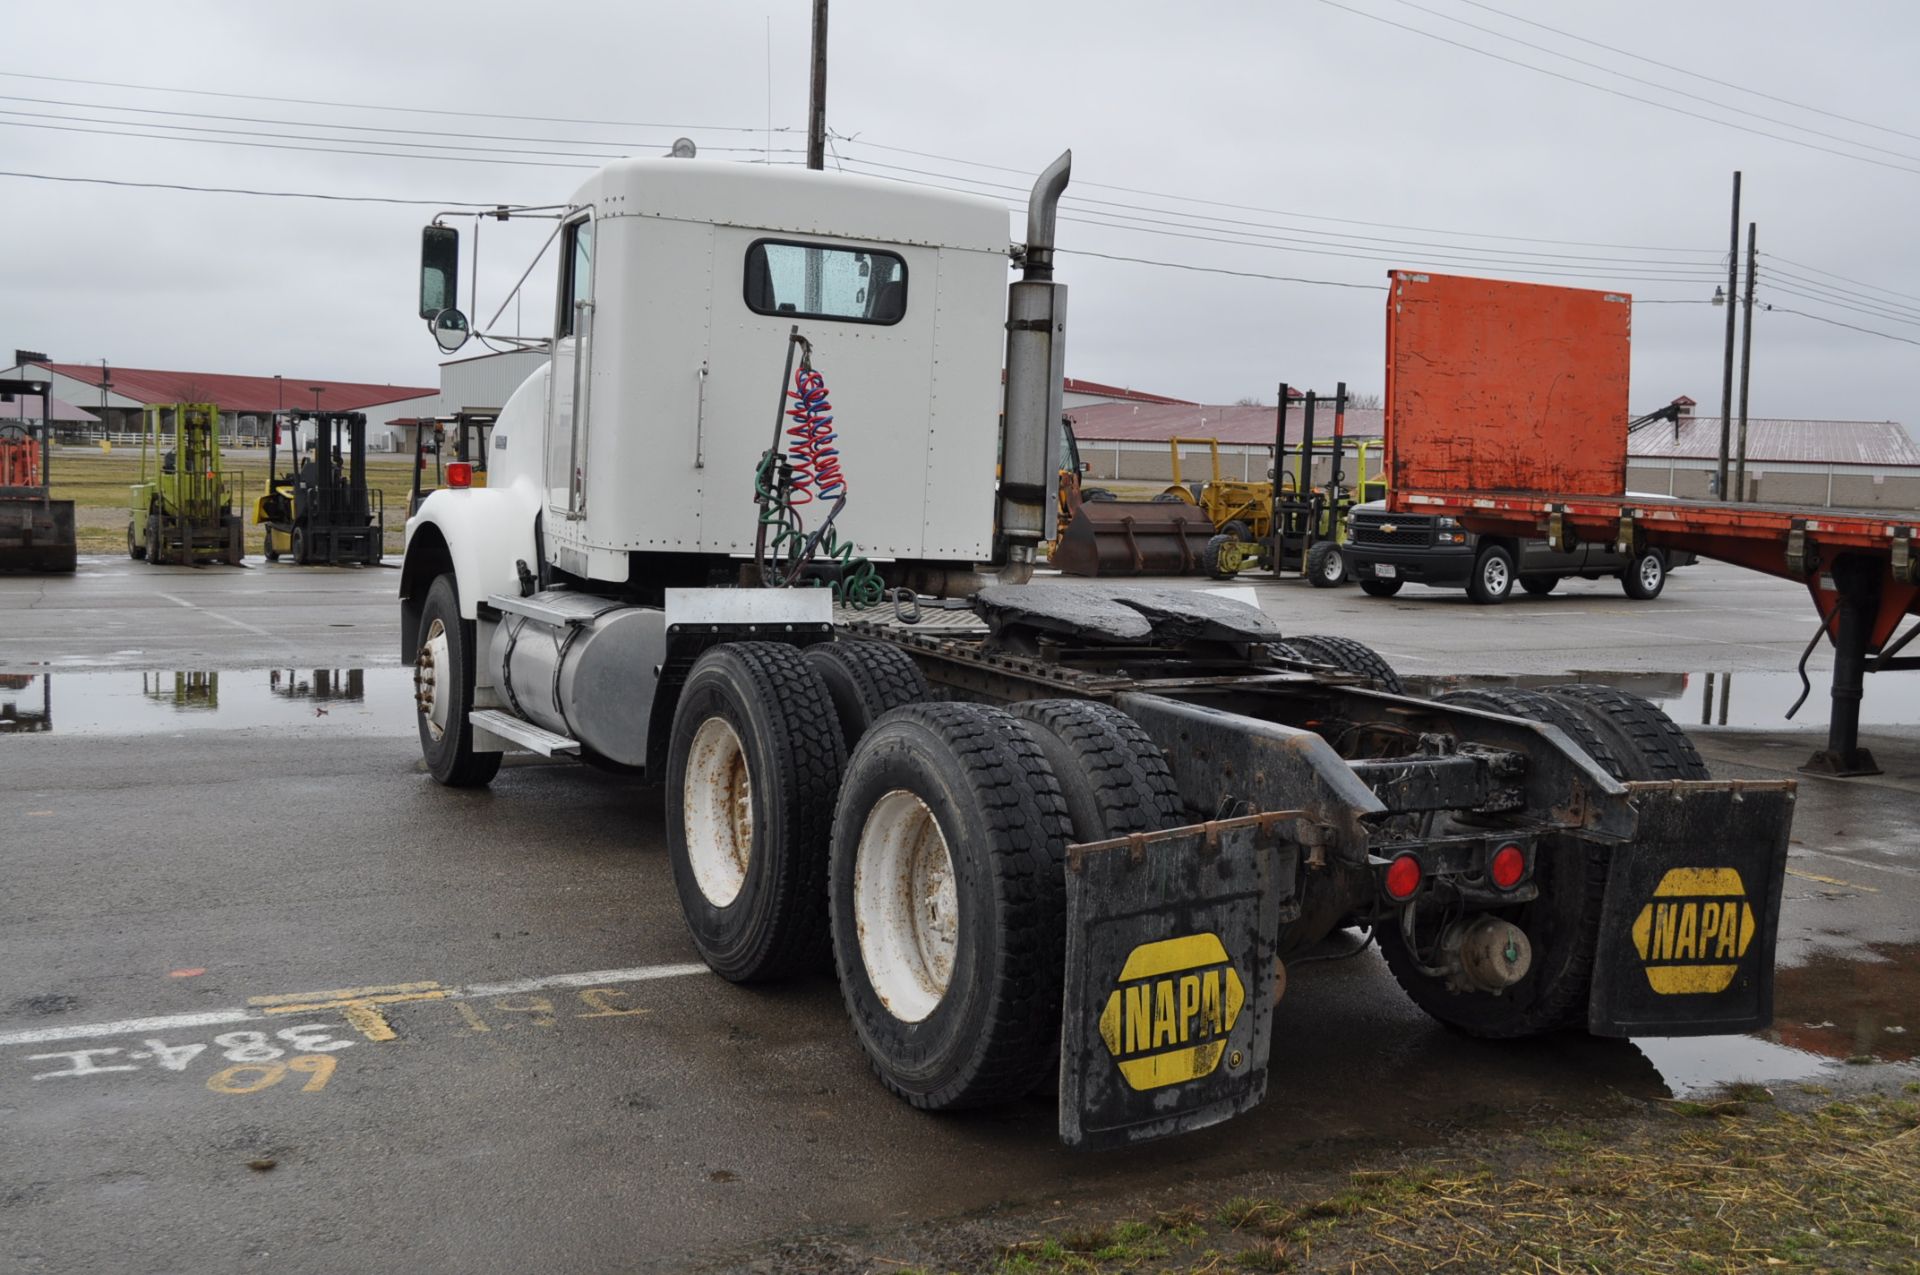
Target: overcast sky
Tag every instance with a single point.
(1329, 145)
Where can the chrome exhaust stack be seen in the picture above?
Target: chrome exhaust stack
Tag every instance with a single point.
(1036, 366)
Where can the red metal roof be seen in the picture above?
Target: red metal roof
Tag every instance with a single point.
(1118, 392)
(1156, 423)
(238, 393)
(1770, 438)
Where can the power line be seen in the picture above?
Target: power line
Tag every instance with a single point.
(1775, 309)
(1844, 294)
(357, 128)
(857, 140)
(1668, 66)
(240, 190)
(1321, 237)
(1242, 274)
(282, 146)
(1613, 92)
(371, 106)
(1653, 84)
(1842, 278)
(1842, 305)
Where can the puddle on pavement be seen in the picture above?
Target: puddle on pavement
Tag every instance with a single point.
(1753, 700)
(347, 701)
(1833, 1011)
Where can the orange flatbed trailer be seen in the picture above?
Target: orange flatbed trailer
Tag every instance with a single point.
(1506, 407)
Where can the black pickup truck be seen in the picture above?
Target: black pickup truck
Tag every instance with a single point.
(1386, 550)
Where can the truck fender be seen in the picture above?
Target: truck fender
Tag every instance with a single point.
(480, 535)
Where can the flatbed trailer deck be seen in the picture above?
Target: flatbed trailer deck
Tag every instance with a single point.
(1506, 401)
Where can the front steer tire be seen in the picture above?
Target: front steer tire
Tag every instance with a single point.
(450, 757)
(753, 760)
(948, 900)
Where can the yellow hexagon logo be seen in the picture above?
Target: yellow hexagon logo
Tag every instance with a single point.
(1167, 1020)
(1693, 931)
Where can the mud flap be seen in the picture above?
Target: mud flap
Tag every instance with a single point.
(1170, 977)
(1691, 911)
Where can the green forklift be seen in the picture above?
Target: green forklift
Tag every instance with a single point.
(182, 508)
(323, 510)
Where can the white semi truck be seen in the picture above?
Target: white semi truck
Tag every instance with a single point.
(1042, 831)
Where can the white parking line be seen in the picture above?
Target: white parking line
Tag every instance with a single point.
(218, 1017)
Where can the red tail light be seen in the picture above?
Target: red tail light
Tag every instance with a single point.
(1508, 866)
(1401, 880)
(459, 474)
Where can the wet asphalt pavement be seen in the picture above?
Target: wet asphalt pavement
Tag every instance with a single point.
(466, 1031)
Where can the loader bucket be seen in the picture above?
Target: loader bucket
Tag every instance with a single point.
(36, 534)
(1133, 538)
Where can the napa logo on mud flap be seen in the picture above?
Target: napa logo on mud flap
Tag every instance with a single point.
(1167, 1021)
(1694, 930)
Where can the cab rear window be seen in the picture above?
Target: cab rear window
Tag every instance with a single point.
(817, 281)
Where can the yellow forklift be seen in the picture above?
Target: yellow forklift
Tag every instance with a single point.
(460, 439)
(323, 510)
(182, 507)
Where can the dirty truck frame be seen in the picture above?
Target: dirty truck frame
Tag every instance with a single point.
(1041, 832)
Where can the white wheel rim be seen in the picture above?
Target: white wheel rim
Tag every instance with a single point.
(1495, 575)
(1650, 572)
(1330, 568)
(906, 905)
(429, 667)
(717, 799)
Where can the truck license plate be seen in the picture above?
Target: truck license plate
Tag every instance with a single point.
(1386, 571)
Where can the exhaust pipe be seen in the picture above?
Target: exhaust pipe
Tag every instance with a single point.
(1036, 366)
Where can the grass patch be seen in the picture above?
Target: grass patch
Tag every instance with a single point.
(1740, 1183)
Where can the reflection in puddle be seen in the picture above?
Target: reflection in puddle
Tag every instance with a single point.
(1828, 1012)
(1754, 700)
(346, 701)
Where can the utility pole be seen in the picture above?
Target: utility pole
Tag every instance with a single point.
(817, 97)
(1746, 366)
(105, 383)
(1726, 378)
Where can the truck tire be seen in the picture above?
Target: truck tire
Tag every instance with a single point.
(1349, 656)
(1539, 586)
(299, 547)
(1326, 565)
(1210, 558)
(1236, 529)
(136, 549)
(443, 679)
(1114, 777)
(1650, 744)
(1562, 922)
(864, 680)
(1645, 576)
(1377, 588)
(948, 898)
(1492, 578)
(753, 760)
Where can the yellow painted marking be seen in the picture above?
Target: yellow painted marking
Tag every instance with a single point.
(474, 1020)
(600, 1000)
(538, 1009)
(229, 1081)
(360, 1005)
(319, 1068)
(1811, 876)
(345, 993)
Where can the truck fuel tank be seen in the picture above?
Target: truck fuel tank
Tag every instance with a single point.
(580, 666)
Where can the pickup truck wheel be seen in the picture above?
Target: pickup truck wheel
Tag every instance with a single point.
(1539, 586)
(1492, 578)
(1349, 656)
(864, 680)
(753, 760)
(1650, 744)
(1114, 777)
(1645, 576)
(1326, 565)
(948, 898)
(443, 691)
(1562, 922)
(1210, 558)
(1377, 588)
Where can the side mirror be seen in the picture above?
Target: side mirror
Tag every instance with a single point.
(1086, 467)
(439, 270)
(450, 330)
